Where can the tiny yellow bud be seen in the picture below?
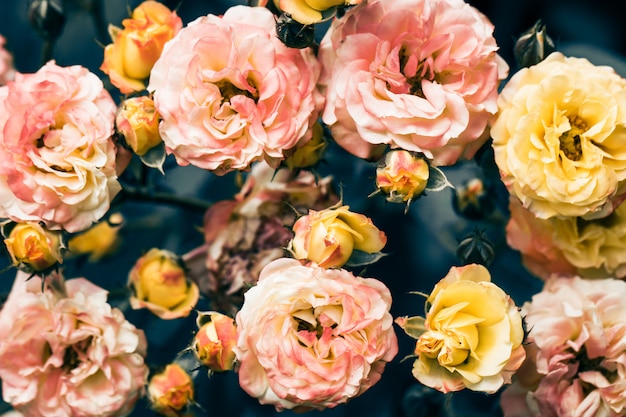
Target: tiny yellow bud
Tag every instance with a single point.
(312, 151)
(29, 244)
(98, 241)
(402, 176)
(138, 122)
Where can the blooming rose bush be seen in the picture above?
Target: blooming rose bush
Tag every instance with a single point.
(313, 338)
(472, 334)
(576, 344)
(66, 352)
(420, 75)
(57, 159)
(230, 93)
(559, 136)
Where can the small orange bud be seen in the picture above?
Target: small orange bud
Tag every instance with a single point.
(215, 340)
(30, 245)
(402, 176)
(171, 391)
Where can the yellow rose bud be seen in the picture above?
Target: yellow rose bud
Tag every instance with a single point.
(30, 245)
(98, 241)
(402, 176)
(159, 283)
(309, 12)
(311, 153)
(472, 335)
(135, 48)
(171, 391)
(138, 122)
(329, 237)
(215, 340)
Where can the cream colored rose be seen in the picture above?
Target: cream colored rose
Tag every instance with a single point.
(559, 137)
(596, 247)
(473, 334)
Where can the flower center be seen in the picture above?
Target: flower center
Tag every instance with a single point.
(72, 355)
(414, 72)
(229, 90)
(569, 142)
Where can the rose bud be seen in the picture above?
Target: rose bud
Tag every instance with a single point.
(402, 176)
(329, 237)
(171, 391)
(135, 48)
(138, 122)
(214, 341)
(99, 241)
(533, 46)
(310, 12)
(158, 282)
(34, 247)
(312, 151)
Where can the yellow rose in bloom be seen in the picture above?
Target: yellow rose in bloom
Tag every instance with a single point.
(402, 176)
(472, 334)
(98, 241)
(559, 137)
(159, 283)
(214, 341)
(135, 48)
(328, 237)
(29, 244)
(138, 121)
(309, 12)
(171, 391)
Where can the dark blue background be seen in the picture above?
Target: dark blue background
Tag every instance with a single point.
(422, 243)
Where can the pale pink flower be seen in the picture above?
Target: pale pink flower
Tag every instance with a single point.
(313, 338)
(7, 70)
(577, 347)
(66, 352)
(230, 93)
(421, 75)
(57, 159)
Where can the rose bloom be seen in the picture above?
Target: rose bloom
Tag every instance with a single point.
(129, 59)
(245, 233)
(421, 75)
(32, 246)
(66, 352)
(577, 351)
(313, 338)
(57, 159)
(559, 135)
(230, 93)
(170, 391)
(534, 239)
(159, 282)
(7, 70)
(310, 12)
(473, 336)
(329, 237)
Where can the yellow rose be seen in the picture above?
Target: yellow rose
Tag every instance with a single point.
(99, 241)
(328, 237)
(30, 245)
(309, 12)
(472, 334)
(215, 340)
(135, 48)
(309, 154)
(402, 176)
(171, 391)
(159, 283)
(138, 121)
(559, 137)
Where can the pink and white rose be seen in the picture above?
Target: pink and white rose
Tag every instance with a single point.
(57, 159)
(313, 338)
(230, 93)
(65, 351)
(421, 75)
(576, 350)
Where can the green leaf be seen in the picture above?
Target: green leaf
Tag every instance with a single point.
(155, 157)
(360, 258)
(437, 180)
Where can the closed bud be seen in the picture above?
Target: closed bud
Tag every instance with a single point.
(34, 247)
(533, 46)
(171, 391)
(402, 176)
(137, 122)
(312, 151)
(475, 249)
(215, 340)
(47, 17)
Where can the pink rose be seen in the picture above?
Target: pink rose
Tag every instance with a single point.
(420, 75)
(7, 70)
(66, 352)
(231, 93)
(313, 338)
(57, 159)
(577, 347)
